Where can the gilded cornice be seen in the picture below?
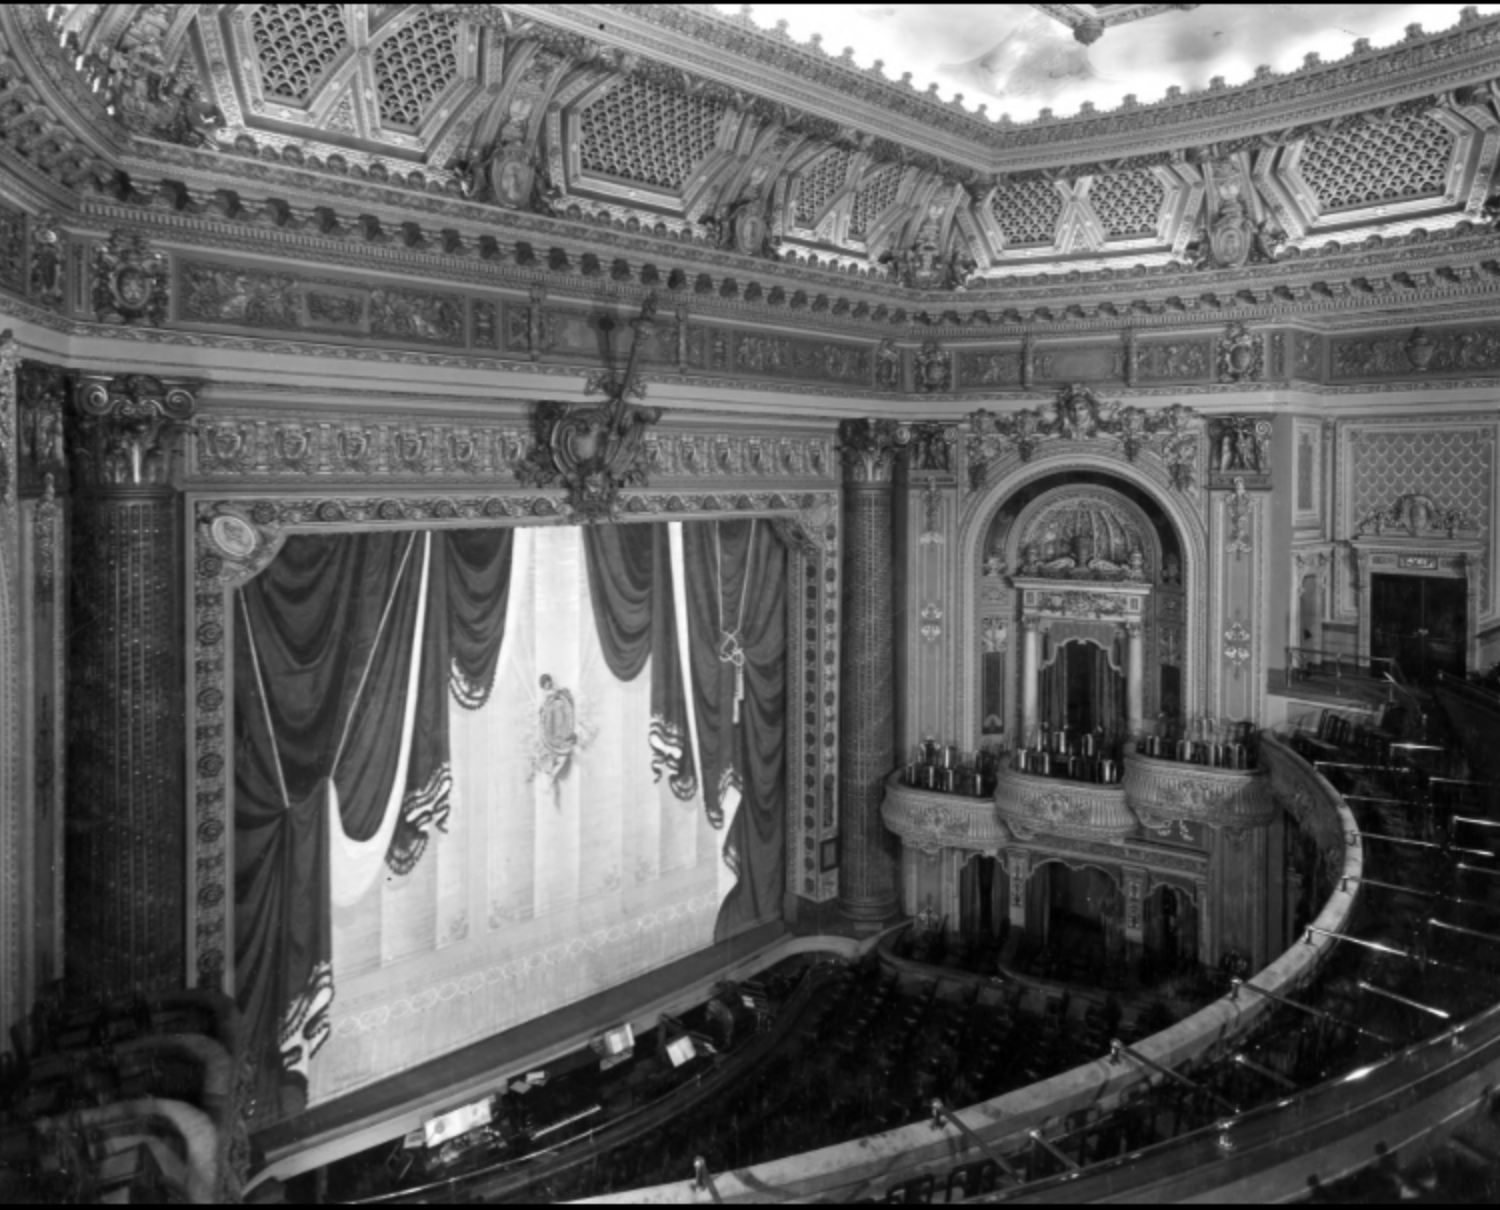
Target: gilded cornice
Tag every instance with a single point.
(862, 400)
(1412, 274)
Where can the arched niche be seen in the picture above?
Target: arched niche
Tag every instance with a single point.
(992, 529)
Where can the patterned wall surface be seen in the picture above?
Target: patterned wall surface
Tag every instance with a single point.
(818, 183)
(12, 250)
(1027, 211)
(413, 66)
(1368, 164)
(296, 44)
(640, 132)
(1455, 465)
(1128, 203)
(873, 199)
(124, 885)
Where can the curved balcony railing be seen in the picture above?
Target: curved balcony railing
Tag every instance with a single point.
(1012, 1123)
(1416, 846)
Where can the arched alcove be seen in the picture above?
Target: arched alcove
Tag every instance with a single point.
(1090, 510)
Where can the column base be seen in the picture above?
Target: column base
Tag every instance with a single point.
(877, 913)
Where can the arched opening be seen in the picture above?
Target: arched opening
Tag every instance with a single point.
(1080, 920)
(983, 901)
(1171, 935)
(1077, 528)
(1083, 690)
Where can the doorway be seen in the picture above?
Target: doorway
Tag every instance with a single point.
(983, 899)
(1080, 914)
(1171, 934)
(1083, 690)
(1421, 622)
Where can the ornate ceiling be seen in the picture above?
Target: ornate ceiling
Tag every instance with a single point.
(679, 124)
(1015, 60)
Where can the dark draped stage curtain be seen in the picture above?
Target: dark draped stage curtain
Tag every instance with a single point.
(323, 651)
(737, 576)
(467, 596)
(630, 586)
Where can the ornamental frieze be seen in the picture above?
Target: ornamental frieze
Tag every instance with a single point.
(1078, 414)
(235, 538)
(471, 259)
(1033, 806)
(234, 447)
(931, 821)
(1162, 793)
(238, 297)
(1418, 351)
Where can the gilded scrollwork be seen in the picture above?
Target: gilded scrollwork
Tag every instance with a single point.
(10, 359)
(1078, 414)
(127, 429)
(1240, 449)
(1241, 355)
(1033, 806)
(1417, 516)
(1164, 793)
(46, 522)
(1238, 510)
(241, 537)
(131, 282)
(869, 448)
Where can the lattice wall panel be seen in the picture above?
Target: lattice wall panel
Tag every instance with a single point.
(819, 182)
(1128, 203)
(640, 132)
(1455, 467)
(296, 44)
(413, 66)
(873, 200)
(1402, 160)
(1027, 211)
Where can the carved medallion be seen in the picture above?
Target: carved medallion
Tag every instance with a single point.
(130, 282)
(594, 451)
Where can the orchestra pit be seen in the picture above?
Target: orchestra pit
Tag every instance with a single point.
(620, 603)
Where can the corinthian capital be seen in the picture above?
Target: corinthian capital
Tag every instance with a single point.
(127, 429)
(869, 448)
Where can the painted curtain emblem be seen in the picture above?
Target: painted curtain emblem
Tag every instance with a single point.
(561, 729)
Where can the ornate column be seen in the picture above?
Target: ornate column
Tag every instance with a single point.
(1020, 871)
(1135, 676)
(1031, 658)
(13, 855)
(1135, 906)
(869, 852)
(126, 815)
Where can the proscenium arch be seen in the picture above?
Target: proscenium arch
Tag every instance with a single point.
(1182, 509)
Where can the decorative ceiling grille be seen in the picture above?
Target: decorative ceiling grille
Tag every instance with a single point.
(640, 132)
(1027, 211)
(1400, 160)
(1128, 203)
(296, 44)
(874, 199)
(413, 66)
(819, 182)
